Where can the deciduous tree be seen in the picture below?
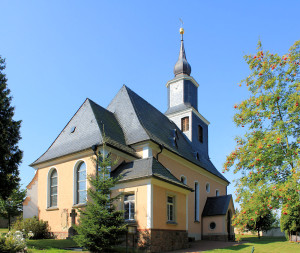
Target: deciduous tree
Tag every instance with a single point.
(13, 205)
(268, 154)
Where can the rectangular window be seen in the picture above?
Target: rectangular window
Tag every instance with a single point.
(200, 134)
(196, 201)
(185, 124)
(171, 208)
(129, 207)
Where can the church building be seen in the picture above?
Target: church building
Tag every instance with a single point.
(170, 188)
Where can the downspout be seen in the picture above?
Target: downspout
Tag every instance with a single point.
(161, 146)
(94, 148)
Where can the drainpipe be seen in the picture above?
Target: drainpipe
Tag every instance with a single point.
(94, 148)
(161, 146)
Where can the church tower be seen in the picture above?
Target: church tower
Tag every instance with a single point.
(183, 104)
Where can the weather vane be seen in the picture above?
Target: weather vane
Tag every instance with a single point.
(181, 22)
(181, 30)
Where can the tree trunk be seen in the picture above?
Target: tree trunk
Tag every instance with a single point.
(8, 222)
(258, 233)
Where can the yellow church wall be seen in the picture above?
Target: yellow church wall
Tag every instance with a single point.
(140, 194)
(160, 208)
(220, 225)
(192, 174)
(59, 217)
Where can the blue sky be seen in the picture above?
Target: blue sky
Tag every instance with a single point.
(60, 52)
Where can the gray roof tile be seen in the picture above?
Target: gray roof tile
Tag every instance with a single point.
(141, 121)
(88, 122)
(216, 205)
(148, 167)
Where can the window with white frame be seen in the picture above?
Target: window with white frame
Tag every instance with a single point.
(171, 208)
(197, 193)
(129, 207)
(81, 183)
(53, 188)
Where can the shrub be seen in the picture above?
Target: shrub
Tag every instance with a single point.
(39, 228)
(13, 242)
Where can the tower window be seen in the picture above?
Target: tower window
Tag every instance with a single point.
(200, 133)
(185, 124)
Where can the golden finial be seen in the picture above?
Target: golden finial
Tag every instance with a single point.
(181, 30)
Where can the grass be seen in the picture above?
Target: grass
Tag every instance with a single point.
(3, 230)
(263, 245)
(51, 245)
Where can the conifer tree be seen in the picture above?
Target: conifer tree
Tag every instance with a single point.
(268, 154)
(10, 154)
(101, 226)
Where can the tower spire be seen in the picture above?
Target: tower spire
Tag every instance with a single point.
(182, 67)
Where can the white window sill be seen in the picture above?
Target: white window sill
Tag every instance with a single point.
(79, 205)
(53, 208)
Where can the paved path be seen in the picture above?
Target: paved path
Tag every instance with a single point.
(201, 246)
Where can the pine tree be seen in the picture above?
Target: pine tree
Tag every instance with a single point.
(10, 154)
(100, 225)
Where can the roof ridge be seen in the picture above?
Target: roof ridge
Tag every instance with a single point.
(87, 99)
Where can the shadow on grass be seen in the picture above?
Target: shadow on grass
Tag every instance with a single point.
(236, 247)
(51, 244)
(263, 240)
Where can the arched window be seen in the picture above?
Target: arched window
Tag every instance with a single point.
(80, 189)
(53, 188)
(197, 197)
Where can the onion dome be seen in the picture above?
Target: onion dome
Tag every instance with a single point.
(182, 67)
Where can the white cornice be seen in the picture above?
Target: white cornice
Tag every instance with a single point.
(190, 109)
(79, 155)
(183, 77)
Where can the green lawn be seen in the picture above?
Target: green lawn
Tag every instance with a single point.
(3, 230)
(51, 245)
(263, 245)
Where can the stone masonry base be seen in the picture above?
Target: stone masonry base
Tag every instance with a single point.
(151, 240)
(223, 238)
(160, 240)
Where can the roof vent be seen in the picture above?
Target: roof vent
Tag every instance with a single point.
(72, 129)
(175, 133)
(196, 155)
(175, 142)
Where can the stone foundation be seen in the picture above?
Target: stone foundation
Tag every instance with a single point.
(60, 235)
(223, 238)
(168, 240)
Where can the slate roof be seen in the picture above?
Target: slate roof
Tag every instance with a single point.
(88, 122)
(216, 205)
(128, 120)
(141, 121)
(143, 168)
